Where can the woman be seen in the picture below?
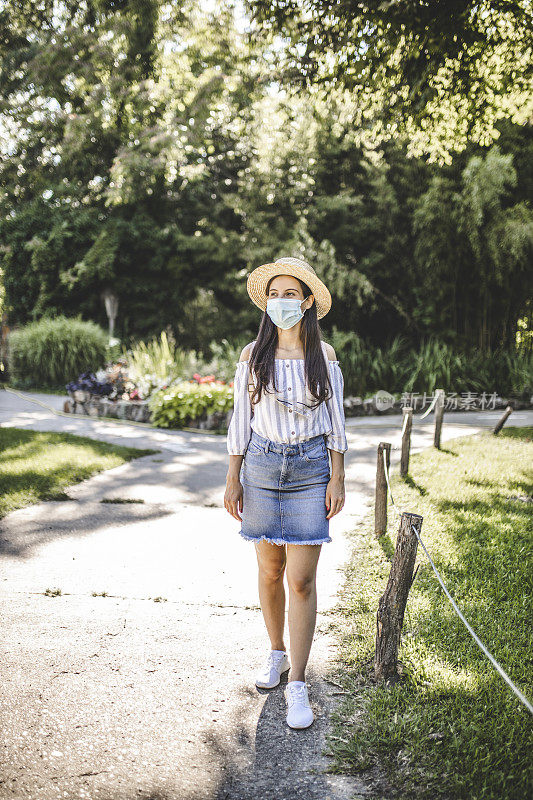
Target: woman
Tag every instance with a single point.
(288, 412)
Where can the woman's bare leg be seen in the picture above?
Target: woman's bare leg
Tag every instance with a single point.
(271, 560)
(302, 560)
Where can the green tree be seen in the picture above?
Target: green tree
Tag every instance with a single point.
(146, 149)
(443, 72)
(474, 247)
(126, 130)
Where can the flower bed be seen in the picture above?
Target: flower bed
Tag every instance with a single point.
(203, 402)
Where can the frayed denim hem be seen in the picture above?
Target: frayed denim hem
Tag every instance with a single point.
(283, 541)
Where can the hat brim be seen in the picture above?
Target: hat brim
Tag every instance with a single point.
(259, 277)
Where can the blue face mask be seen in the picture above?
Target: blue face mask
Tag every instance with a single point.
(285, 312)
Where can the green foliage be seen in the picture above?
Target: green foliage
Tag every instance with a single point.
(125, 176)
(444, 72)
(52, 352)
(183, 402)
(356, 359)
(396, 367)
(472, 250)
(224, 358)
(160, 360)
(512, 371)
(146, 154)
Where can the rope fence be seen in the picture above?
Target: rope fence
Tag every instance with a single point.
(390, 619)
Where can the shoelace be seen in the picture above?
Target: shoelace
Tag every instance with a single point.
(275, 659)
(297, 694)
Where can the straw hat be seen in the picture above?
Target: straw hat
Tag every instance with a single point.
(259, 277)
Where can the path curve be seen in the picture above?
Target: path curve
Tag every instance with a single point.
(125, 696)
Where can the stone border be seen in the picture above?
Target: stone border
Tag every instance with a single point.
(359, 407)
(82, 402)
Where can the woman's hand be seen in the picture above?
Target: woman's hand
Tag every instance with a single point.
(334, 495)
(233, 496)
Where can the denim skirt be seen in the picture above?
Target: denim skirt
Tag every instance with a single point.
(284, 491)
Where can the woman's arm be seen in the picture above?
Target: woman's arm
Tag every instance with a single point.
(336, 441)
(233, 493)
(335, 493)
(239, 432)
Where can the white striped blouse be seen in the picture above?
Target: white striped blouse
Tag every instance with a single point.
(283, 416)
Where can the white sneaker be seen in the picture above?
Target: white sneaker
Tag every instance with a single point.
(269, 676)
(300, 714)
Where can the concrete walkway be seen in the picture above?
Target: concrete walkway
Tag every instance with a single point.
(148, 691)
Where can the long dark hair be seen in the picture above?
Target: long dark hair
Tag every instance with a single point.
(264, 352)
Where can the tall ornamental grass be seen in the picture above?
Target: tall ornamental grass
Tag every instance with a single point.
(164, 361)
(52, 352)
(433, 365)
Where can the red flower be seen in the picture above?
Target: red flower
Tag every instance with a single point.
(206, 379)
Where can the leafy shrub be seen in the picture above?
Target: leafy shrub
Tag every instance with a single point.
(177, 405)
(225, 357)
(52, 351)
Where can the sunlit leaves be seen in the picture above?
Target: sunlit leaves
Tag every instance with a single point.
(443, 72)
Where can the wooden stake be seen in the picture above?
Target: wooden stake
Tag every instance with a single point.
(380, 505)
(406, 440)
(392, 603)
(503, 420)
(439, 412)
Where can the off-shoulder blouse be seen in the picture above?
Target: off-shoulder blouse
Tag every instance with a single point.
(283, 416)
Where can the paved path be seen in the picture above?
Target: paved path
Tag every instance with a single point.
(123, 696)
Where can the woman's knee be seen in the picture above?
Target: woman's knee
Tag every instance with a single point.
(303, 584)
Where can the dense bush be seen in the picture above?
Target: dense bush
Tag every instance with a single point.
(51, 352)
(178, 405)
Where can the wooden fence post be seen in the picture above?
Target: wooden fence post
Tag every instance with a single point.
(503, 420)
(392, 603)
(380, 505)
(406, 440)
(439, 411)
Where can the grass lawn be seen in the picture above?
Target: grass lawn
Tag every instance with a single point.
(37, 465)
(452, 728)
